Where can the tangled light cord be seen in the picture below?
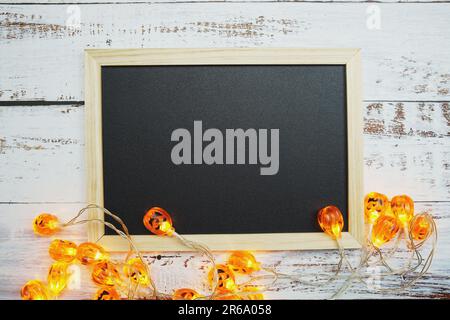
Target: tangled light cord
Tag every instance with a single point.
(131, 277)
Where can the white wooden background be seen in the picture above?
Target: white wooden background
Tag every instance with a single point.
(406, 65)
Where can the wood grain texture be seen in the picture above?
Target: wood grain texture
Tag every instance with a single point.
(399, 136)
(95, 59)
(65, 2)
(42, 159)
(400, 61)
(25, 256)
(42, 168)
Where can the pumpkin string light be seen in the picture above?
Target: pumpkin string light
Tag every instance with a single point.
(124, 233)
(426, 263)
(34, 290)
(387, 220)
(159, 222)
(58, 277)
(46, 224)
(375, 206)
(331, 221)
(384, 230)
(186, 294)
(62, 250)
(88, 253)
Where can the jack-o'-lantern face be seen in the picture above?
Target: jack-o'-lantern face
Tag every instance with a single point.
(243, 262)
(225, 281)
(375, 205)
(136, 271)
(159, 222)
(105, 273)
(186, 294)
(106, 293)
(403, 208)
(384, 230)
(421, 227)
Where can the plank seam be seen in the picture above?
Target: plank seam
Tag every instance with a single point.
(83, 203)
(218, 1)
(38, 103)
(40, 202)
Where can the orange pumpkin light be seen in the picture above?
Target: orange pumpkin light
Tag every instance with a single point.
(58, 276)
(159, 222)
(136, 271)
(421, 227)
(34, 290)
(62, 250)
(185, 294)
(46, 224)
(105, 273)
(106, 293)
(403, 208)
(226, 280)
(243, 262)
(331, 221)
(90, 253)
(375, 205)
(253, 296)
(384, 230)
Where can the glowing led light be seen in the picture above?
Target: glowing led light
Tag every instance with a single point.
(46, 224)
(403, 208)
(384, 230)
(331, 221)
(34, 290)
(159, 222)
(375, 205)
(421, 227)
(105, 273)
(106, 293)
(89, 253)
(62, 250)
(58, 276)
(253, 296)
(226, 281)
(136, 270)
(185, 294)
(243, 262)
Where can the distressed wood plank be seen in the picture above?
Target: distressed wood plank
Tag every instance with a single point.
(65, 2)
(25, 256)
(406, 150)
(401, 136)
(42, 154)
(400, 60)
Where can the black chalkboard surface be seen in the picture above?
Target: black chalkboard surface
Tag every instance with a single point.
(143, 105)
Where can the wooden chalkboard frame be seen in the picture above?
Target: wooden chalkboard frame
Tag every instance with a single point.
(96, 58)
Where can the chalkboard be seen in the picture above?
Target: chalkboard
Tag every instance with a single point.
(226, 149)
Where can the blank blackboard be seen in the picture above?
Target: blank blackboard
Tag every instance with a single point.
(143, 105)
(153, 123)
